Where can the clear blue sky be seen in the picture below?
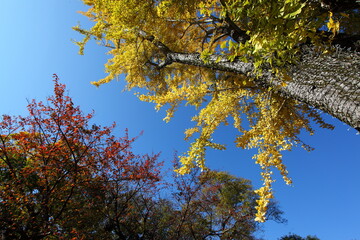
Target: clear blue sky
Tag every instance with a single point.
(36, 42)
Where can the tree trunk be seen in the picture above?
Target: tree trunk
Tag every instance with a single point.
(330, 83)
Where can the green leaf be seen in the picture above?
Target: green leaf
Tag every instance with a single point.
(296, 12)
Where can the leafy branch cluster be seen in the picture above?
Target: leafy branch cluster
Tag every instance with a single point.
(235, 61)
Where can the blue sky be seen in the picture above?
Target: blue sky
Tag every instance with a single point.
(36, 43)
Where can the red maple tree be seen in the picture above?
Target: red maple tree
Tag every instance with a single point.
(58, 172)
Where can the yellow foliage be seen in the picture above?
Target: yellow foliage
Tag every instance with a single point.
(133, 30)
(333, 25)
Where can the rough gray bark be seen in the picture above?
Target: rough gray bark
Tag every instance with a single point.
(330, 83)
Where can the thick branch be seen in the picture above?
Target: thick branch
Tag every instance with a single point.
(215, 62)
(234, 31)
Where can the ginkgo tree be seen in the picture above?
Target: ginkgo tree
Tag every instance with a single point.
(266, 67)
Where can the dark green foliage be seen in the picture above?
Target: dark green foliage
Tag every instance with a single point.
(297, 237)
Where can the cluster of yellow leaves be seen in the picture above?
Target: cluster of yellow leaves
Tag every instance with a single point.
(333, 25)
(276, 29)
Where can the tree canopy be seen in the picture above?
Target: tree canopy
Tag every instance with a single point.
(58, 172)
(266, 67)
(297, 237)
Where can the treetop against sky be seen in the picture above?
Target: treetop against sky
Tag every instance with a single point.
(267, 65)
